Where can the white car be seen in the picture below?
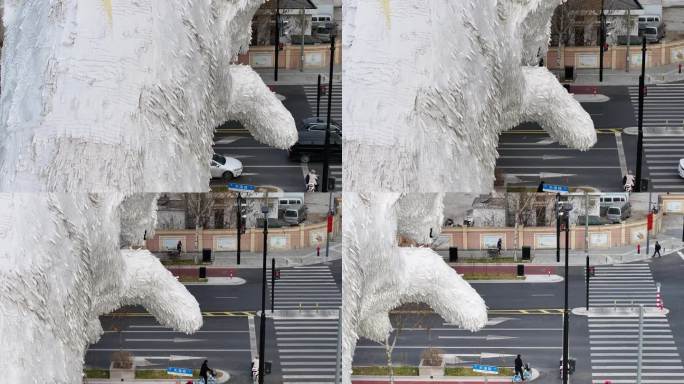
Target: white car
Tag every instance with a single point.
(681, 168)
(225, 167)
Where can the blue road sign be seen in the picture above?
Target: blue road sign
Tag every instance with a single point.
(173, 371)
(241, 187)
(555, 188)
(490, 369)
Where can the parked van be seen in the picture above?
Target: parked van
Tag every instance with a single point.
(653, 33)
(619, 213)
(290, 200)
(294, 216)
(616, 198)
(649, 19)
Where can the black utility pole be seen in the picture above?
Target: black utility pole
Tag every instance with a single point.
(273, 273)
(238, 209)
(566, 320)
(642, 90)
(318, 97)
(277, 42)
(326, 156)
(557, 228)
(262, 331)
(602, 40)
(587, 290)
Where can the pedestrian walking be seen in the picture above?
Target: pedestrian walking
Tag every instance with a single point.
(205, 370)
(519, 368)
(657, 250)
(498, 246)
(179, 247)
(318, 249)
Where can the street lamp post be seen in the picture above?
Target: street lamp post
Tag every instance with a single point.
(557, 228)
(277, 40)
(238, 209)
(262, 331)
(640, 139)
(565, 213)
(326, 156)
(602, 40)
(586, 242)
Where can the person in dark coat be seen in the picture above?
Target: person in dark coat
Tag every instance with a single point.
(498, 247)
(519, 367)
(657, 250)
(179, 247)
(204, 370)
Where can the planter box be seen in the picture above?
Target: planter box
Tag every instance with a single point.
(121, 374)
(431, 370)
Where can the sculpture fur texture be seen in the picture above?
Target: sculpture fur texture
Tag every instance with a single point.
(111, 98)
(75, 263)
(380, 276)
(429, 86)
(124, 95)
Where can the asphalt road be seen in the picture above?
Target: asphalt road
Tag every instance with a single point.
(266, 166)
(528, 155)
(224, 339)
(517, 327)
(538, 337)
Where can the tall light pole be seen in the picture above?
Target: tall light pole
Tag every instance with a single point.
(262, 331)
(326, 149)
(565, 214)
(602, 40)
(277, 40)
(586, 242)
(557, 228)
(238, 209)
(642, 90)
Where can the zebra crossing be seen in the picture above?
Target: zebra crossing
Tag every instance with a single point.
(623, 285)
(336, 106)
(663, 133)
(307, 349)
(336, 172)
(307, 346)
(613, 341)
(662, 154)
(662, 107)
(306, 287)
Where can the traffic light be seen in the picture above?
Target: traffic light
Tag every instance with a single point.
(243, 224)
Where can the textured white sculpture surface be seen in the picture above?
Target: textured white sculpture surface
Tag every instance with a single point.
(66, 259)
(124, 95)
(112, 98)
(429, 86)
(379, 275)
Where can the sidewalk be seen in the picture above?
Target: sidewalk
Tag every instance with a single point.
(222, 260)
(662, 74)
(295, 77)
(547, 257)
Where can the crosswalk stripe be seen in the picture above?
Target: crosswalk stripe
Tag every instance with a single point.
(662, 112)
(615, 337)
(307, 347)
